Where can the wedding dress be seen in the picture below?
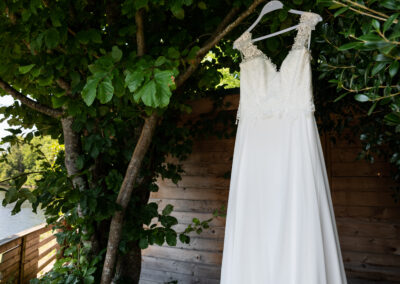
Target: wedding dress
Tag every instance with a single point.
(280, 225)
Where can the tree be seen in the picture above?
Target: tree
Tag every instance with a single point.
(100, 76)
(362, 63)
(27, 158)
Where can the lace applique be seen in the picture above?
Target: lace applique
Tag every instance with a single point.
(246, 47)
(308, 21)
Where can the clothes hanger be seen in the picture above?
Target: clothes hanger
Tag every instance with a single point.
(272, 6)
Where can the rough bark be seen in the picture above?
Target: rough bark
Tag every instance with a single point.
(124, 196)
(29, 102)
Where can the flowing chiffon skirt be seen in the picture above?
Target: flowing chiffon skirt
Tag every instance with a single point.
(280, 226)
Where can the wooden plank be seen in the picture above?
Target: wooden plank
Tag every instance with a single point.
(11, 271)
(191, 193)
(21, 234)
(371, 213)
(366, 198)
(190, 205)
(350, 155)
(205, 257)
(22, 259)
(167, 276)
(213, 145)
(210, 233)
(35, 254)
(360, 169)
(372, 245)
(36, 234)
(200, 244)
(32, 245)
(373, 273)
(10, 258)
(200, 182)
(205, 105)
(10, 246)
(383, 230)
(196, 269)
(206, 157)
(187, 218)
(374, 259)
(206, 169)
(362, 184)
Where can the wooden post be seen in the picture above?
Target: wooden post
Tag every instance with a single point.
(22, 260)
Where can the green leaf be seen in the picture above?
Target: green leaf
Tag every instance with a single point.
(340, 11)
(173, 53)
(370, 38)
(80, 161)
(178, 12)
(168, 209)
(140, 4)
(361, 98)
(390, 4)
(377, 68)
(89, 91)
(371, 109)
(52, 38)
(133, 80)
(389, 21)
(375, 23)
(160, 61)
(19, 182)
(393, 68)
(202, 5)
(116, 53)
(147, 94)
(163, 81)
(350, 45)
(143, 243)
(105, 91)
(25, 69)
(88, 279)
(170, 237)
(340, 97)
(58, 101)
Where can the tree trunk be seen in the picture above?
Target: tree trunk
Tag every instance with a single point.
(124, 197)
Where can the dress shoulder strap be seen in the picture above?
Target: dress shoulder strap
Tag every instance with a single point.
(308, 21)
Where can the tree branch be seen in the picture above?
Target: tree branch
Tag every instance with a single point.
(140, 33)
(124, 197)
(64, 85)
(29, 102)
(147, 133)
(215, 38)
(125, 192)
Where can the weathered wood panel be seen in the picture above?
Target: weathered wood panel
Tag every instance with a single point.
(367, 217)
(27, 254)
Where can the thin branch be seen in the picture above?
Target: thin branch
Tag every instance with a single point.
(217, 36)
(64, 85)
(361, 12)
(29, 102)
(140, 33)
(366, 8)
(21, 175)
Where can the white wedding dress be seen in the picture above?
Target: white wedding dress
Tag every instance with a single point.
(280, 226)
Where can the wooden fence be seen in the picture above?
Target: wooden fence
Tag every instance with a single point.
(28, 254)
(366, 214)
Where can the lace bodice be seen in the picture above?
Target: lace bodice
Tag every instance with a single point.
(266, 91)
(307, 23)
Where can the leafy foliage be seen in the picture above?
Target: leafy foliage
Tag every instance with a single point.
(362, 63)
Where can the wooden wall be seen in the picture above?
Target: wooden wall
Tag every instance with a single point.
(367, 217)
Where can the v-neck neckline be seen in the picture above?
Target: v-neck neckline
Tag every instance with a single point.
(291, 50)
